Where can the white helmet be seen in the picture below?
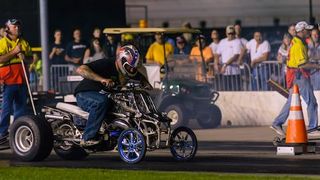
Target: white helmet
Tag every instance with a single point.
(128, 59)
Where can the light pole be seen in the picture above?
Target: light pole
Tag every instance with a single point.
(44, 42)
(311, 18)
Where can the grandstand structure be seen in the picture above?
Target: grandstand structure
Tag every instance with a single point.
(219, 13)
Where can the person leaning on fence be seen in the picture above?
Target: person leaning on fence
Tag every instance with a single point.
(229, 50)
(298, 73)
(259, 50)
(13, 49)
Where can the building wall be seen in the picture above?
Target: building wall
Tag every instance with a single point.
(219, 13)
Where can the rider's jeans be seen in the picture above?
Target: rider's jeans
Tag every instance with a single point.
(97, 105)
(14, 100)
(306, 91)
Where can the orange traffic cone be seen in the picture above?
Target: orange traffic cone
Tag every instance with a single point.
(296, 130)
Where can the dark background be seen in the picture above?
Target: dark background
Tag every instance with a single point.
(65, 15)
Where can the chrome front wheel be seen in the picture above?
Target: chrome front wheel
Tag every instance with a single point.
(131, 146)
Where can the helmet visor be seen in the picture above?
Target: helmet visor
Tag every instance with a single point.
(129, 69)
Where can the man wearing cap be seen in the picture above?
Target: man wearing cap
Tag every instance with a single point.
(298, 73)
(13, 49)
(229, 50)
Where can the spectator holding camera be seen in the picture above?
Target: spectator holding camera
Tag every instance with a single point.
(57, 53)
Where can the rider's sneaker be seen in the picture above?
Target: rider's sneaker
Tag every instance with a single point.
(90, 142)
(278, 130)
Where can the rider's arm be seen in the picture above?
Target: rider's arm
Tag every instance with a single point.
(87, 73)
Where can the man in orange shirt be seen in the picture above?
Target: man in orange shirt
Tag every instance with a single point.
(195, 55)
(13, 50)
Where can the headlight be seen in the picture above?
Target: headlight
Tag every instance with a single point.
(174, 89)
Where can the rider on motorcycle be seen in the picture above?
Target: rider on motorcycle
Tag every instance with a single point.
(99, 76)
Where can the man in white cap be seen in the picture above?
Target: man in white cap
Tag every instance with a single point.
(298, 73)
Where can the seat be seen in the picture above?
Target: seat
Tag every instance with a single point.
(73, 109)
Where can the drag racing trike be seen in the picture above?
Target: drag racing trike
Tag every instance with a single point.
(132, 127)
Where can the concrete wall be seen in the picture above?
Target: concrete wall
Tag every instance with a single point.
(219, 13)
(253, 108)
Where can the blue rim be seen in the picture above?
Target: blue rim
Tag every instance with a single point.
(131, 146)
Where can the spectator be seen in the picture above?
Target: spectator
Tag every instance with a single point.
(187, 36)
(13, 49)
(259, 50)
(242, 58)
(110, 46)
(181, 47)
(314, 56)
(2, 32)
(75, 50)
(96, 33)
(282, 57)
(291, 30)
(57, 53)
(206, 54)
(215, 41)
(155, 53)
(314, 46)
(94, 52)
(229, 50)
(35, 73)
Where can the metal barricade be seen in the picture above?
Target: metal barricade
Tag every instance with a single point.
(248, 78)
(58, 73)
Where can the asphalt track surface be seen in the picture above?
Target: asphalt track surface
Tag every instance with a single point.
(234, 150)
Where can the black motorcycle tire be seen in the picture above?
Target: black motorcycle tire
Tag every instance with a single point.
(31, 138)
(177, 145)
(211, 119)
(74, 153)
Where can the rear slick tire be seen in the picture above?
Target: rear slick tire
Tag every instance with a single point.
(31, 138)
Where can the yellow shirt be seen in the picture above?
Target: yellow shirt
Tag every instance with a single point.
(155, 52)
(297, 53)
(11, 72)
